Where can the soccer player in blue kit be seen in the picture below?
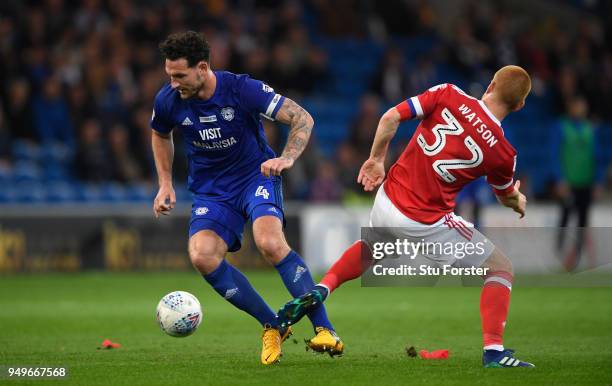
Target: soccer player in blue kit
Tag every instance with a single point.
(234, 176)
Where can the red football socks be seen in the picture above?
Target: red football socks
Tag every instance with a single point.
(494, 304)
(348, 267)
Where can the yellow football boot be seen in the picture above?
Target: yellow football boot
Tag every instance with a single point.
(326, 341)
(272, 340)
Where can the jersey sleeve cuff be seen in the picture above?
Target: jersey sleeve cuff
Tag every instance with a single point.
(410, 108)
(415, 105)
(273, 107)
(503, 190)
(160, 128)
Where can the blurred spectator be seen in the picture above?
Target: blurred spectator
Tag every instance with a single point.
(92, 158)
(314, 72)
(394, 15)
(349, 163)
(284, 71)
(353, 22)
(297, 39)
(364, 124)
(422, 77)
(5, 143)
(325, 186)
(391, 80)
(125, 165)
(499, 37)
(288, 17)
(91, 16)
(51, 117)
(255, 64)
(80, 104)
(19, 110)
(468, 53)
(603, 92)
(565, 89)
(577, 171)
(36, 65)
(9, 36)
(141, 137)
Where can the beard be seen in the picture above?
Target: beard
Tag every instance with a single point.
(189, 92)
(185, 93)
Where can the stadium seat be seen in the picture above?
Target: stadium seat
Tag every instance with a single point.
(53, 171)
(26, 150)
(26, 171)
(112, 192)
(8, 193)
(30, 192)
(139, 192)
(91, 193)
(60, 192)
(57, 152)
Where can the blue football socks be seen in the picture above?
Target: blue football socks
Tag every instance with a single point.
(298, 281)
(230, 283)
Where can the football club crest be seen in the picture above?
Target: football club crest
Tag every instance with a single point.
(201, 211)
(227, 113)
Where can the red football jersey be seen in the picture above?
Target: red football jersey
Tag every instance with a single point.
(457, 141)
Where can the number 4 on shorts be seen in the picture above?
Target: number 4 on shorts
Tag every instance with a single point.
(261, 191)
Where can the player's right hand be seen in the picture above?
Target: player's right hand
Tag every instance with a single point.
(371, 175)
(516, 200)
(521, 201)
(164, 201)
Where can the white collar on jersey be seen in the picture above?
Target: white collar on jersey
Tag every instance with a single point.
(489, 113)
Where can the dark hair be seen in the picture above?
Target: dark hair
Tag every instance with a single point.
(189, 45)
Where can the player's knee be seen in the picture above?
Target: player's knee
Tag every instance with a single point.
(205, 257)
(505, 265)
(273, 248)
(498, 262)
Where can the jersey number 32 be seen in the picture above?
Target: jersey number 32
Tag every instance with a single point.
(440, 131)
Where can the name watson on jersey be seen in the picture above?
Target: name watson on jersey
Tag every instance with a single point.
(485, 133)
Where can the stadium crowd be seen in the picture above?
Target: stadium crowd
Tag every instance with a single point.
(79, 77)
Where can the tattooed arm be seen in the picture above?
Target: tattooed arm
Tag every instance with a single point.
(300, 122)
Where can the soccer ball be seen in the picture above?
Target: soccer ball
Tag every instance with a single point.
(179, 313)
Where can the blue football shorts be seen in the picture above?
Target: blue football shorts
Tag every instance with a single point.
(262, 197)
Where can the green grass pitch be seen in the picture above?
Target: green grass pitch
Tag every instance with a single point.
(60, 319)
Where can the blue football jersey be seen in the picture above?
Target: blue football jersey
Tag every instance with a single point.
(224, 135)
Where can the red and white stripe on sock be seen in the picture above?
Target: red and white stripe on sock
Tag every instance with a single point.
(494, 304)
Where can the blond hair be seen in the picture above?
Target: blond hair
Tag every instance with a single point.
(512, 85)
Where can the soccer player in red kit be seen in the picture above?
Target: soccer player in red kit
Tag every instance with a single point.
(459, 139)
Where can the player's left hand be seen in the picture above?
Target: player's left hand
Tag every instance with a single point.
(371, 175)
(274, 166)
